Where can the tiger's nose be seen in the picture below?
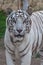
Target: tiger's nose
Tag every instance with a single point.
(19, 30)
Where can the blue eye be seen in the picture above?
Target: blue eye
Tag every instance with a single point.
(14, 21)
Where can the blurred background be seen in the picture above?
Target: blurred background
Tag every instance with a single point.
(36, 5)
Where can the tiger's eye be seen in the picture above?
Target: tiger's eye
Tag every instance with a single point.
(26, 22)
(14, 20)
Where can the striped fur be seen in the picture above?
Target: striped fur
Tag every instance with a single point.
(21, 54)
(37, 18)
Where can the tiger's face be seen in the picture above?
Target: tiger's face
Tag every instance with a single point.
(18, 24)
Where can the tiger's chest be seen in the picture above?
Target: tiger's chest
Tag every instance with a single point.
(24, 55)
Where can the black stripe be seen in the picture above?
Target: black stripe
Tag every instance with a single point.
(25, 53)
(24, 48)
(9, 49)
(11, 39)
(39, 17)
(41, 12)
(35, 49)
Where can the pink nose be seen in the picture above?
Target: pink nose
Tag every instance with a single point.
(19, 30)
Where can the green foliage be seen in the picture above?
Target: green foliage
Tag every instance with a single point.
(2, 23)
(37, 55)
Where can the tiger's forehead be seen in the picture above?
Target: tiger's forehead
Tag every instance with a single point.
(19, 13)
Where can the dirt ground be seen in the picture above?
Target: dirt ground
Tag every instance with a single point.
(2, 57)
(3, 62)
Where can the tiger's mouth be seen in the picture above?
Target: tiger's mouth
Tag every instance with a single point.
(19, 36)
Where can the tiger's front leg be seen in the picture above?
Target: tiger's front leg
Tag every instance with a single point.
(27, 59)
(9, 60)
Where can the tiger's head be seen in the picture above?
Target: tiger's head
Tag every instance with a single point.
(18, 24)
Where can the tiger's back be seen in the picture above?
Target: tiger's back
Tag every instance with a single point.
(37, 18)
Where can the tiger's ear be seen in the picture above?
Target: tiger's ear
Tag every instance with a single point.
(8, 11)
(29, 10)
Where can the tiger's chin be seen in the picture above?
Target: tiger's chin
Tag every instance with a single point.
(19, 39)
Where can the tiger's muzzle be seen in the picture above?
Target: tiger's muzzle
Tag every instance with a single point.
(19, 36)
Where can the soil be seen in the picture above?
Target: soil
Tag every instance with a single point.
(2, 57)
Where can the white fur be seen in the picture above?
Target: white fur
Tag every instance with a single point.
(31, 38)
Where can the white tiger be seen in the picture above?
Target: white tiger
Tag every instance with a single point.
(23, 36)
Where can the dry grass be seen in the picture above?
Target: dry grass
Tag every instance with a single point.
(36, 5)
